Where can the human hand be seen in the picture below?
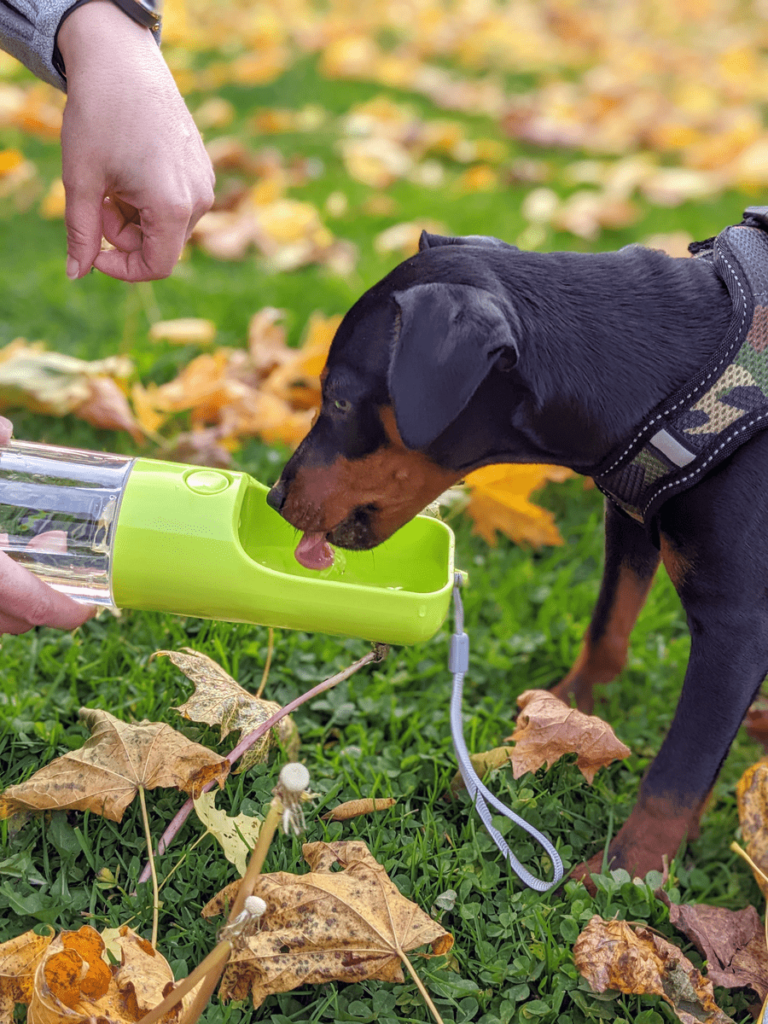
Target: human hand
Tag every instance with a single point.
(25, 601)
(134, 166)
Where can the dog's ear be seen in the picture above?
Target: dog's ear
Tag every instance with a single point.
(427, 241)
(449, 337)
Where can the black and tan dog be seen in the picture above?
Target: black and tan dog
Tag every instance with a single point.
(639, 369)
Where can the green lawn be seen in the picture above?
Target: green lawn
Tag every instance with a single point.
(385, 732)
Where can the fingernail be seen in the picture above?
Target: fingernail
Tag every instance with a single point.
(5, 424)
(73, 268)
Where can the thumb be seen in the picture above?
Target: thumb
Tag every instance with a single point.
(82, 216)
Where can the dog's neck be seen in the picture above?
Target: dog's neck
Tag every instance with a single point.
(605, 338)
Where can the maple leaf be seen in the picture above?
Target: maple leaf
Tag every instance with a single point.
(74, 982)
(104, 775)
(752, 802)
(547, 728)
(346, 925)
(219, 700)
(499, 501)
(19, 959)
(612, 955)
(54, 384)
(236, 834)
(731, 941)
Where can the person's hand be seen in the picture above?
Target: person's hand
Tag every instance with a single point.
(134, 166)
(25, 601)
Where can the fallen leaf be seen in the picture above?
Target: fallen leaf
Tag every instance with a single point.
(55, 201)
(236, 834)
(75, 983)
(53, 384)
(547, 728)
(612, 955)
(485, 761)
(107, 408)
(752, 802)
(348, 925)
(219, 700)
(187, 330)
(404, 238)
(105, 773)
(499, 501)
(731, 941)
(19, 959)
(355, 808)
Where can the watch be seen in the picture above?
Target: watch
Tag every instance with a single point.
(141, 11)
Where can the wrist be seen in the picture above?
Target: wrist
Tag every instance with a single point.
(94, 28)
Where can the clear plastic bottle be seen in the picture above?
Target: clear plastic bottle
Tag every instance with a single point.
(58, 515)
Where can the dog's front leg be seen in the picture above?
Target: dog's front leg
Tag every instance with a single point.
(712, 542)
(630, 563)
(729, 658)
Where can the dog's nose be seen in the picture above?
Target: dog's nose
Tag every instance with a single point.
(276, 496)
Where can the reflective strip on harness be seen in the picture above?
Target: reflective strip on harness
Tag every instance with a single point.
(723, 406)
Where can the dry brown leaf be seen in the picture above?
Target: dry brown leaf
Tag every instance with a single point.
(347, 925)
(219, 700)
(547, 728)
(74, 982)
(612, 955)
(731, 941)
(54, 384)
(19, 959)
(107, 408)
(499, 501)
(752, 801)
(105, 773)
(354, 808)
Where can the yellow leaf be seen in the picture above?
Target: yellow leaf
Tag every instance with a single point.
(54, 203)
(188, 330)
(499, 501)
(236, 835)
(10, 159)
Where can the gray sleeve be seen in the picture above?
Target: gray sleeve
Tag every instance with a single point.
(28, 32)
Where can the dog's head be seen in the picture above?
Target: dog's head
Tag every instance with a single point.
(406, 362)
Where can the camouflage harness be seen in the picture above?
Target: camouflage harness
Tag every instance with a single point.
(704, 422)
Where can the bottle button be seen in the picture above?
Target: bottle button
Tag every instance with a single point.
(207, 481)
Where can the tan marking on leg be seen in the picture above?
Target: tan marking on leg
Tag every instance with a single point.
(675, 562)
(601, 660)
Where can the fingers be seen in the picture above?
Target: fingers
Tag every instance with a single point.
(26, 602)
(82, 216)
(151, 250)
(6, 430)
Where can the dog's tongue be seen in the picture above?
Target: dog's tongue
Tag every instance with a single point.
(314, 552)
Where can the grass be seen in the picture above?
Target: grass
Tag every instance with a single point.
(385, 732)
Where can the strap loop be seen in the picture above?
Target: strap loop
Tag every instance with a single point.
(458, 663)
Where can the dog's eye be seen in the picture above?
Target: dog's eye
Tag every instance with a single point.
(343, 404)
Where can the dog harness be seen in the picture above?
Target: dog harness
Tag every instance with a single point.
(705, 421)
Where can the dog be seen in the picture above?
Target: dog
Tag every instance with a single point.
(473, 352)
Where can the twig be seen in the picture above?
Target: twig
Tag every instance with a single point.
(288, 794)
(153, 872)
(377, 654)
(217, 957)
(420, 986)
(256, 861)
(267, 663)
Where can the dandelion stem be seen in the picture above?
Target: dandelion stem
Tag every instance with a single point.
(152, 869)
